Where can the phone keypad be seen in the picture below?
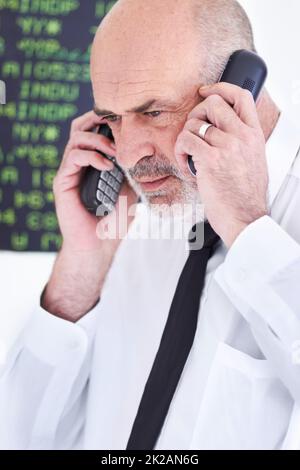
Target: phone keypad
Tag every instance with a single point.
(109, 186)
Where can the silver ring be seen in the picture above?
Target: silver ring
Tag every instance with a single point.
(203, 129)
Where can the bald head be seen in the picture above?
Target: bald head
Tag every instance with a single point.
(200, 33)
(147, 39)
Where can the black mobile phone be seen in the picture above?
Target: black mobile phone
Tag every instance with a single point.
(245, 69)
(100, 189)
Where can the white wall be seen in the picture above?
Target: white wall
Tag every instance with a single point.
(277, 37)
(275, 22)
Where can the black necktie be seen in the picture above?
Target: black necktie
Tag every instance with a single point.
(175, 345)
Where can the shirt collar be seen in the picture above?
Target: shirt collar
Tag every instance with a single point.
(281, 150)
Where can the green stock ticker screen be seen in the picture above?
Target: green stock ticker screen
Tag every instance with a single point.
(44, 64)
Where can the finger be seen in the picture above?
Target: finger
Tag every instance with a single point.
(218, 112)
(189, 144)
(78, 159)
(85, 122)
(91, 141)
(240, 99)
(213, 136)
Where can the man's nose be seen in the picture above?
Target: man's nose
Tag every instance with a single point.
(133, 142)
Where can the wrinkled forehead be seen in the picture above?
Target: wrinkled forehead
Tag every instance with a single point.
(123, 71)
(127, 88)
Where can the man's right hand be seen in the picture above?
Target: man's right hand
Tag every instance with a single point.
(84, 260)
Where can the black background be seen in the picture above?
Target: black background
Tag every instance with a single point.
(27, 219)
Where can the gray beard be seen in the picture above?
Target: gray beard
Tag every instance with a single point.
(189, 198)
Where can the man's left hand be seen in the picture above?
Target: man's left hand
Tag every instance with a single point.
(232, 174)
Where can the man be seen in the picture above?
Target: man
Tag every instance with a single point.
(77, 373)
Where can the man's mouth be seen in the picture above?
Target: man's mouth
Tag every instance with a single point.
(152, 185)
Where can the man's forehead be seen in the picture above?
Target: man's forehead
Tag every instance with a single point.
(113, 97)
(121, 76)
(128, 75)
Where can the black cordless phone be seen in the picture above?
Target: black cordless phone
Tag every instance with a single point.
(100, 189)
(245, 69)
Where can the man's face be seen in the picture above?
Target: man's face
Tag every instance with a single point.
(144, 88)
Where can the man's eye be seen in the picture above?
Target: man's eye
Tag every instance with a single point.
(153, 113)
(112, 118)
(115, 118)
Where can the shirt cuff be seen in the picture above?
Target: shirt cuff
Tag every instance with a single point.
(49, 337)
(260, 258)
(260, 252)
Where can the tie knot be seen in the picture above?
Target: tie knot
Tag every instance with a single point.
(202, 235)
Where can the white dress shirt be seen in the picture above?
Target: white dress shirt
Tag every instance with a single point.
(78, 386)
